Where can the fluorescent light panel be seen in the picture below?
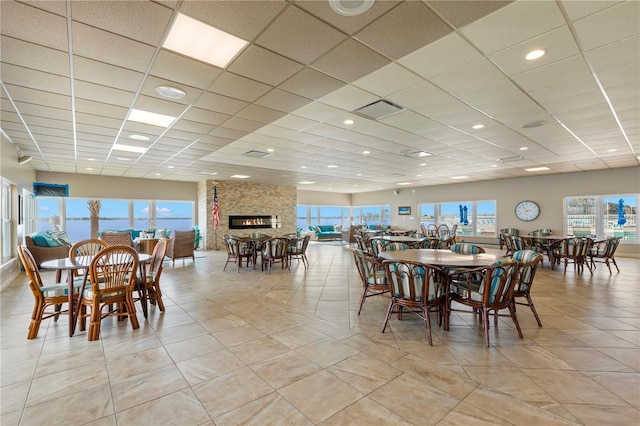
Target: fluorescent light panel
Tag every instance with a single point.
(537, 169)
(203, 42)
(240, 176)
(129, 148)
(152, 118)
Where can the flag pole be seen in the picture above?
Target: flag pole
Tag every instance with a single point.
(215, 215)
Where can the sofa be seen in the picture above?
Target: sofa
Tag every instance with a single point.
(135, 233)
(48, 245)
(327, 232)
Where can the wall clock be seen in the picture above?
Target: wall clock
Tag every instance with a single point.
(527, 210)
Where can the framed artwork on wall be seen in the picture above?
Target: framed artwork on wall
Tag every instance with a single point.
(404, 210)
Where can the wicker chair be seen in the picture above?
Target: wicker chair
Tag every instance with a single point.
(117, 238)
(113, 280)
(181, 245)
(571, 250)
(275, 250)
(417, 288)
(237, 250)
(485, 289)
(603, 252)
(374, 279)
(463, 248)
(45, 295)
(528, 260)
(504, 233)
(298, 249)
(152, 280)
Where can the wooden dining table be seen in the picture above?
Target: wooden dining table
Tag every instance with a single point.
(398, 238)
(441, 257)
(81, 263)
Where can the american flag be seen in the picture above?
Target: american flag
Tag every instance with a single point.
(214, 213)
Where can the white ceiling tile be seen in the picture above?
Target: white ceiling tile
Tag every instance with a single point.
(621, 21)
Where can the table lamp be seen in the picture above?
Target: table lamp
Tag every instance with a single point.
(55, 221)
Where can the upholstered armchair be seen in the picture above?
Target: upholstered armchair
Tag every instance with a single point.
(181, 245)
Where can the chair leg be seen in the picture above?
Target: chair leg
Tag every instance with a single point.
(614, 262)
(427, 323)
(36, 319)
(389, 312)
(515, 320)
(158, 296)
(533, 308)
(485, 325)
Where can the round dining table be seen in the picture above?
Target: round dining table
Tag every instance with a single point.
(81, 263)
(397, 238)
(441, 257)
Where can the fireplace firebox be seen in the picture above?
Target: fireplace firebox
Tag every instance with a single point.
(253, 222)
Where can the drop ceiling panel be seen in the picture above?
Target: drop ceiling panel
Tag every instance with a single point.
(620, 21)
(264, 66)
(25, 22)
(239, 87)
(339, 64)
(553, 74)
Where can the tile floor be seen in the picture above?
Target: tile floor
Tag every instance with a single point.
(289, 349)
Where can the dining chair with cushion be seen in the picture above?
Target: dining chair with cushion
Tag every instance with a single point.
(465, 248)
(112, 238)
(571, 250)
(443, 231)
(504, 232)
(181, 246)
(86, 248)
(237, 250)
(603, 251)
(274, 250)
(112, 272)
(152, 279)
(372, 275)
(528, 261)
(485, 289)
(416, 287)
(363, 243)
(45, 295)
(432, 230)
(393, 246)
(298, 249)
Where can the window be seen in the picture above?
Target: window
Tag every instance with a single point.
(605, 216)
(5, 232)
(47, 207)
(174, 215)
(473, 218)
(114, 215)
(330, 215)
(141, 216)
(302, 220)
(78, 219)
(322, 215)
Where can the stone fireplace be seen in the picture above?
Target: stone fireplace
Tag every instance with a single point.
(253, 222)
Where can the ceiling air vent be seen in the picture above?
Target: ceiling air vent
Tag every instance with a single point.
(379, 109)
(257, 154)
(510, 159)
(407, 152)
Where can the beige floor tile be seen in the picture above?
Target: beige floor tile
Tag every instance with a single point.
(271, 409)
(598, 415)
(326, 352)
(509, 380)
(193, 348)
(298, 336)
(258, 350)
(235, 389)
(587, 359)
(179, 407)
(238, 335)
(320, 395)
(624, 385)
(285, 369)
(533, 356)
(364, 372)
(209, 366)
(414, 400)
(365, 412)
(468, 414)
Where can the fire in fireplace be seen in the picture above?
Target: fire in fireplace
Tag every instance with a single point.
(253, 222)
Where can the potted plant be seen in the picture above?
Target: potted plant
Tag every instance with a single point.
(197, 238)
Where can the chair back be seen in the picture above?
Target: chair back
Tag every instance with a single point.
(231, 245)
(572, 248)
(610, 247)
(369, 268)
(157, 257)
(393, 246)
(490, 285)
(510, 231)
(362, 243)
(423, 230)
(299, 245)
(432, 230)
(275, 248)
(31, 269)
(117, 238)
(413, 281)
(443, 231)
(86, 248)
(528, 261)
(113, 271)
(464, 248)
(444, 242)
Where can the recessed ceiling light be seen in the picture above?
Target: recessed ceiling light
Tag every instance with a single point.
(332, 166)
(152, 118)
(424, 154)
(477, 126)
(419, 175)
(89, 168)
(403, 183)
(240, 176)
(303, 167)
(359, 174)
(366, 152)
(157, 174)
(129, 148)
(170, 92)
(123, 159)
(459, 177)
(612, 150)
(351, 7)
(91, 159)
(355, 184)
(171, 167)
(423, 164)
(203, 42)
(537, 169)
(138, 137)
(270, 150)
(204, 172)
(532, 124)
(494, 165)
(306, 183)
(348, 121)
(534, 54)
(524, 148)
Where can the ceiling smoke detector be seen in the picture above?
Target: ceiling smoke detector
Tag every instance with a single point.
(379, 109)
(351, 7)
(257, 154)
